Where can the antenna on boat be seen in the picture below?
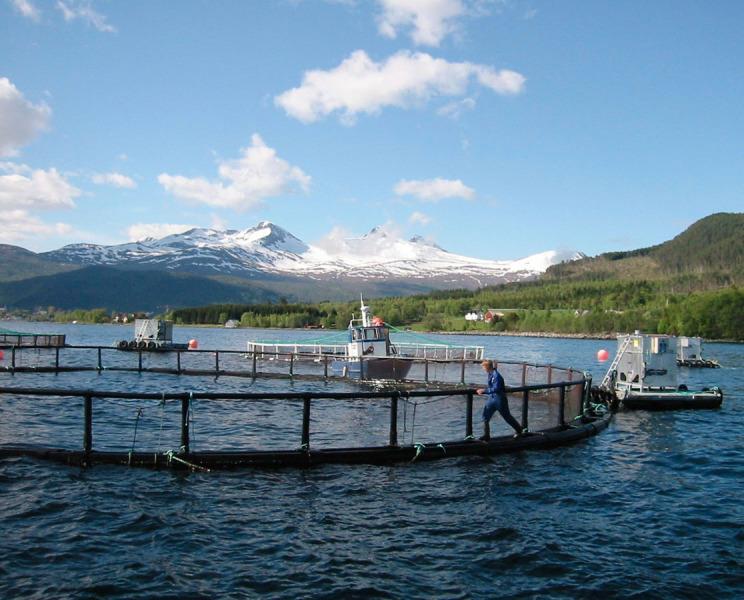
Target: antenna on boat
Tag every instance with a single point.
(366, 321)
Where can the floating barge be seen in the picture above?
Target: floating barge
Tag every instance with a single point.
(644, 374)
(152, 335)
(690, 354)
(17, 339)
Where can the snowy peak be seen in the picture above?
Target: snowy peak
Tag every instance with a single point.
(267, 249)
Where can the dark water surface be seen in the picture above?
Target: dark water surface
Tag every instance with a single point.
(651, 508)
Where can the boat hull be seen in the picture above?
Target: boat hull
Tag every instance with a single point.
(672, 400)
(373, 368)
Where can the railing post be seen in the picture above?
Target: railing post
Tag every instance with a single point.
(291, 364)
(253, 372)
(394, 419)
(306, 422)
(462, 372)
(88, 427)
(325, 366)
(100, 366)
(12, 359)
(426, 370)
(525, 408)
(139, 368)
(185, 424)
(56, 359)
(524, 374)
(550, 374)
(217, 362)
(361, 368)
(178, 362)
(562, 407)
(469, 416)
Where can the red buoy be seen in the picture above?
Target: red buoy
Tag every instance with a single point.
(603, 355)
(377, 321)
(1, 355)
(193, 344)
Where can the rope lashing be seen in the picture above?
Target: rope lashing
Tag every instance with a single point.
(134, 437)
(191, 417)
(419, 449)
(171, 456)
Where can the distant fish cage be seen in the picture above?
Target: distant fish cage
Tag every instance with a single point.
(11, 339)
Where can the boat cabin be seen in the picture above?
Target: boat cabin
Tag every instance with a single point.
(646, 361)
(368, 337)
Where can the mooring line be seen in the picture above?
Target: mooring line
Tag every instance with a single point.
(134, 437)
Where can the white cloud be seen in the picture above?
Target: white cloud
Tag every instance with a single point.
(430, 21)
(115, 179)
(419, 218)
(434, 190)
(27, 9)
(19, 225)
(360, 85)
(141, 231)
(83, 9)
(453, 110)
(20, 120)
(244, 183)
(26, 188)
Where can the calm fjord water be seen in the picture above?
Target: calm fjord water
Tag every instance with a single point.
(649, 508)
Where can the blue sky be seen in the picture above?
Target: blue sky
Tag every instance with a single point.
(498, 129)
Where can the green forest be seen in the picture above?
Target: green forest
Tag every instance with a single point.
(595, 308)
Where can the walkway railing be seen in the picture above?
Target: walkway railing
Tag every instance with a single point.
(259, 364)
(571, 421)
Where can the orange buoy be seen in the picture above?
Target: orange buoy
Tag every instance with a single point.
(603, 355)
(2, 355)
(193, 344)
(377, 321)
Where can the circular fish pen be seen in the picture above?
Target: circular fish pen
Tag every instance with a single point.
(281, 410)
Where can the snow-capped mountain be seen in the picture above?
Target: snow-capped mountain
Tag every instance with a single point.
(267, 249)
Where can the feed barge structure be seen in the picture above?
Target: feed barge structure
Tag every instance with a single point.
(645, 374)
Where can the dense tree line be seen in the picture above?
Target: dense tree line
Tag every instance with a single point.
(592, 307)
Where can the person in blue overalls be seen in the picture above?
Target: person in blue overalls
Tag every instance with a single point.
(497, 401)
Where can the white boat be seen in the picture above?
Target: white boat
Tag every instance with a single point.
(369, 352)
(644, 374)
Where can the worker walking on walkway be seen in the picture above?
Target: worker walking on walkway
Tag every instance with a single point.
(497, 401)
